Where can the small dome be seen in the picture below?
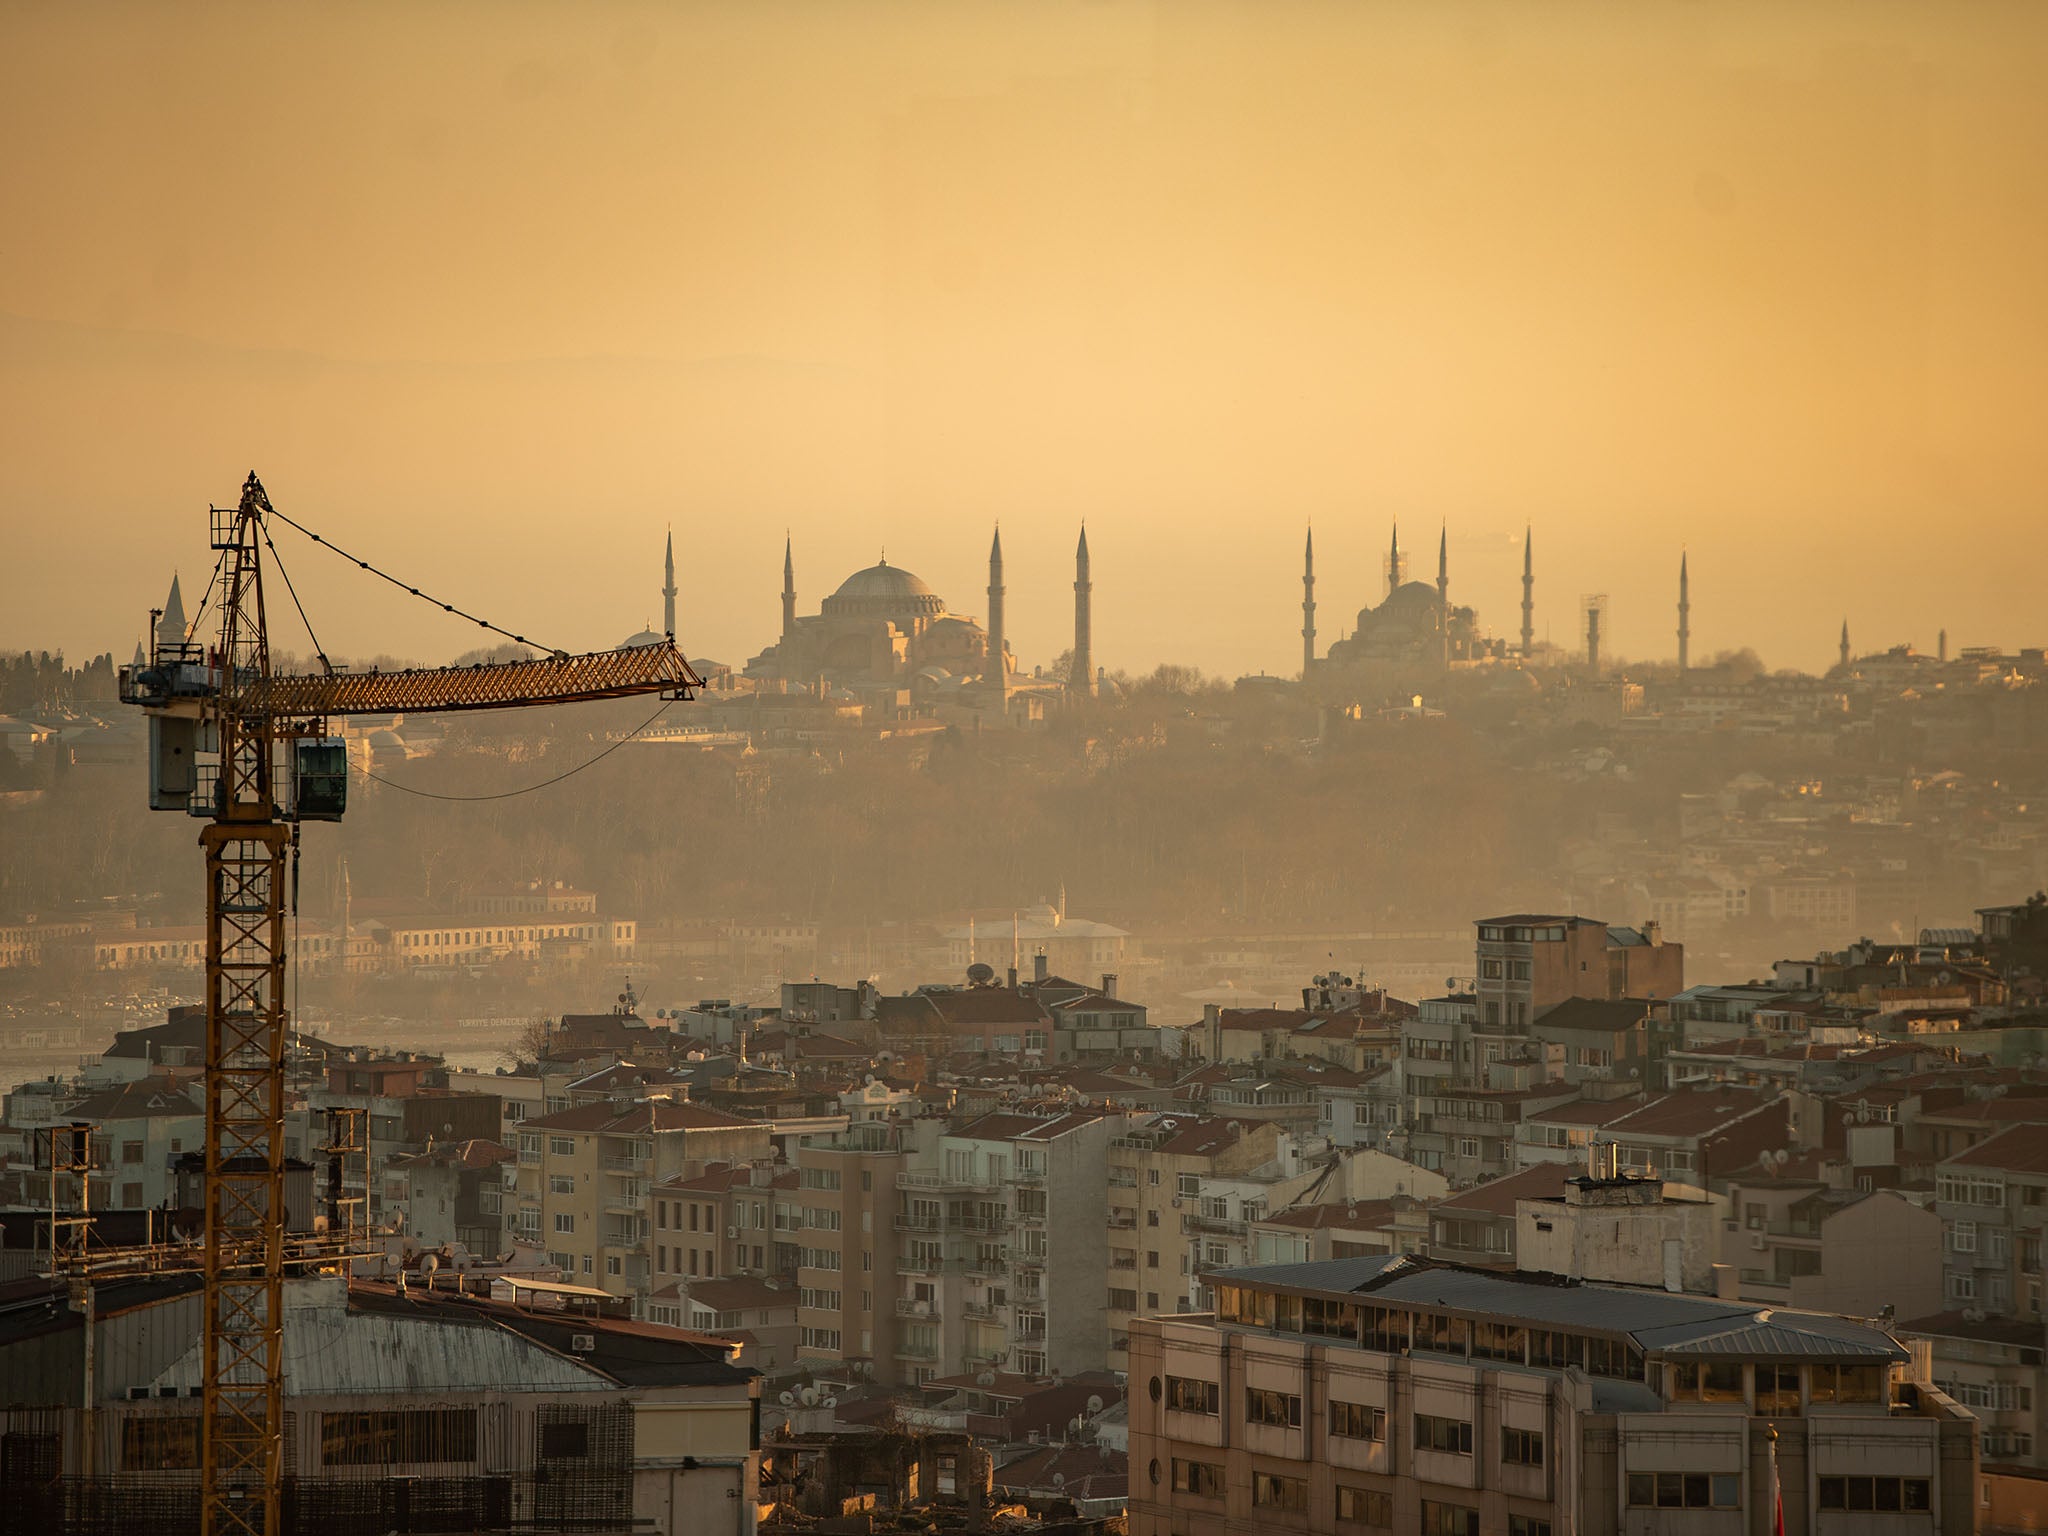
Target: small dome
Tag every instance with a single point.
(883, 580)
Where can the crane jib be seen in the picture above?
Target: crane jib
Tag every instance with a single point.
(643, 669)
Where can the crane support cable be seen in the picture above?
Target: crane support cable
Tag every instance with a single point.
(513, 794)
(405, 586)
(319, 654)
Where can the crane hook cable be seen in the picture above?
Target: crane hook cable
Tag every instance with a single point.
(405, 586)
(513, 794)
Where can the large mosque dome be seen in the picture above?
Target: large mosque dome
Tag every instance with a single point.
(884, 591)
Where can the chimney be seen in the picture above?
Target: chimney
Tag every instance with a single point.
(1013, 978)
(1039, 969)
(1109, 983)
(1653, 932)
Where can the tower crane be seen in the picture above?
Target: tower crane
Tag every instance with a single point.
(249, 753)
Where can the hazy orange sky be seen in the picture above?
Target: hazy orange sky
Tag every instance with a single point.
(498, 293)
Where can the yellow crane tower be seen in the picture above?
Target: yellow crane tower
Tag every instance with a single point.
(250, 754)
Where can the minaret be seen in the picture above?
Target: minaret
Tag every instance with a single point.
(1941, 646)
(170, 629)
(1684, 617)
(1081, 677)
(998, 665)
(1443, 596)
(1394, 560)
(1845, 642)
(1528, 593)
(788, 588)
(1308, 606)
(668, 590)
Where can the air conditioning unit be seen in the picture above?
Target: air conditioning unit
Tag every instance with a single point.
(732, 1231)
(1758, 1241)
(582, 1343)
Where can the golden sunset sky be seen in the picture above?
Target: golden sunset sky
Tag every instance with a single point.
(498, 293)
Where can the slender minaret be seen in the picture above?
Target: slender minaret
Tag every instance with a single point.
(1528, 593)
(1684, 617)
(1081, 679)
(1845, 642)
(170, 628)
(788, 588)
(668, 589)
(1941, 646)
(998, 666)
(1394, 560)
(1308, 606)
(1443, 595)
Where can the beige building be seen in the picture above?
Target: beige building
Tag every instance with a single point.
(585, 1177)
(1401, 1394)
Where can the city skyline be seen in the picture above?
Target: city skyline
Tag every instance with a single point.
(539, 288)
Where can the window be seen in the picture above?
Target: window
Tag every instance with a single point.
(1962, 1237)
(1453, 1436)
(1356, 1421)
(1203, 1479)
(561, 1184)
(1528, 1525)
(561, 1146)
(819, 1300)
(819, 1178)
(1283, 1493)
(1777, 1389)
(1448, 1519)
(1686, 1490)
(1715, 1382)
(392, 1437)
(1886, 1495)
(131, 1151)
(1280, 1409)
(1522, 1447)
(821, 1338)
(1188, 1395)
(1366, 1506)
(565, 1221)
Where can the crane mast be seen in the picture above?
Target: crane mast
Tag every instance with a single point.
(250, 754)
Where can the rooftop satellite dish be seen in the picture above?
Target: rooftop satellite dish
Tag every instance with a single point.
(831, 1402)
(810, 1397)
(788, 1399)
(1059, 1479)
(981, 973)
(1094, 1403)
(985, 1379)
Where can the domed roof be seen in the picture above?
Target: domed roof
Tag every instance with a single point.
(883, 580)
(1412, 594)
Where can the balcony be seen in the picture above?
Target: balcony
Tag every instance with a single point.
(1216, 1226)
(920, 1221)
(623, 1237)
(965, 1183)
(1027, 1176)
(1123, 1263)
(1028, 1263)
(918, 1349)
(978, 1312)
(909, 1306)
(616, 1164)
(1122, 1220)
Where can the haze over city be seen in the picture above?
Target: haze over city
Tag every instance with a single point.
(511, 292)
(1085, 768)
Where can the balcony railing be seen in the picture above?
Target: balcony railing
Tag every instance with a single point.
(1122, 1220)
(978, 1312)
(910, 1306)
(937, 1181)
(1220, 1226)
(918, 1349)
(616, 1164)
(920, 1221)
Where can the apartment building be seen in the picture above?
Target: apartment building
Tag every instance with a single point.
(1403, 1394)
(1184, 1194)
(1007, 1247)
(731, 1219)
(1992, 1201)
(586, 1174)
(1467, 1133)
(1804, 1243)
(1529, 962)
(849, 1251)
